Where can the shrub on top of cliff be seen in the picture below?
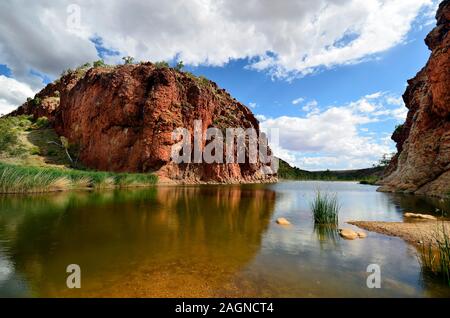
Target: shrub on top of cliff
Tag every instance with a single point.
(66, 72)
(99, 63)
(204, 82)
(161, 64)
(398, 129)
(85, 66)
(128, 60)
(180, 65)
(34, 101)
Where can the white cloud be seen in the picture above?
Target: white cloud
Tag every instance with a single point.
(374, 95)
(284, 38)
(297, 101)
(12, 94)
(311, 107)
(395, 100)
(252, 105)
(334, 137)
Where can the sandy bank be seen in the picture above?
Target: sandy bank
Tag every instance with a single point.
(413, 232)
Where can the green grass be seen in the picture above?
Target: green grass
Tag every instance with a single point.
(23, 179)
(325, 208)
(10, 130)
(369, 180)
(435, 258)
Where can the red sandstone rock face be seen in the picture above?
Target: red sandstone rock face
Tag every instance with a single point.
(422, 164)
(122, 118)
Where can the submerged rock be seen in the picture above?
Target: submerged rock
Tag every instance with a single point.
(283, 221)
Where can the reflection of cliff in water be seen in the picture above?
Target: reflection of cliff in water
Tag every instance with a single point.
(113, 234)
(421, 204)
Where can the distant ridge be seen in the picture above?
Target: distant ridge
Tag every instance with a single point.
(368, 175)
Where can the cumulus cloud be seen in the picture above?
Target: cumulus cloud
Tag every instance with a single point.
(333, 137)
(311, 107)
(12, 94)
(284, 38)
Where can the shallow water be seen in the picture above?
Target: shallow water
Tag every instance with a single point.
(206, 241)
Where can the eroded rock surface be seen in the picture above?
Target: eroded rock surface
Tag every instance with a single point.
(122, 119)
(422, 165)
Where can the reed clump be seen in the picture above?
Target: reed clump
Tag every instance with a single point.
(435, 256)
(325, 208)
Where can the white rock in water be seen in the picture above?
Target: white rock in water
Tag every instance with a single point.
(283, 221)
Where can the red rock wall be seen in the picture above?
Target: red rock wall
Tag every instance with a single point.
(122, 118)
(422, 164)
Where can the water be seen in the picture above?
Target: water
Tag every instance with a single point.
(204, 241)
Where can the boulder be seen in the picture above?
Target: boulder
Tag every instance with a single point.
(348, 234)
(283, 221)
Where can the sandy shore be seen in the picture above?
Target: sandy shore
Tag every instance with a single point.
(417, 232)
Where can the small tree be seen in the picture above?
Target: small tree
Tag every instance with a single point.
(65, 145)
(99, 63)
(179, 66)
(128, 59)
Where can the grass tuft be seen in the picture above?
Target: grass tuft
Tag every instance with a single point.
(23, 179)
(435, 258)
(325, 208)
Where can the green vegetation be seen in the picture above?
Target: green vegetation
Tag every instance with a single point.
(99, 63)
(128, 60)
(10, 129)
(33, 158)
(66, 72)
(435, 259)
(398, 129)
(34, 101)
(365, 176)
(180, 65)
(21, 179)
(384, 161)
(370, 180)
(162, 64)
(42, 122)
(325, 208)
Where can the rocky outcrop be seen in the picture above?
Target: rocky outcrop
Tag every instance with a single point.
(422, 164)
(122, 119)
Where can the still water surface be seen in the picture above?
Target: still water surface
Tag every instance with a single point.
(206, 241)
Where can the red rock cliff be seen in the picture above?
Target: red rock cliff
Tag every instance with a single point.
(122, 118)
(422, 164)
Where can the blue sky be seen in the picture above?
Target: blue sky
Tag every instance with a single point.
(334, 94)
